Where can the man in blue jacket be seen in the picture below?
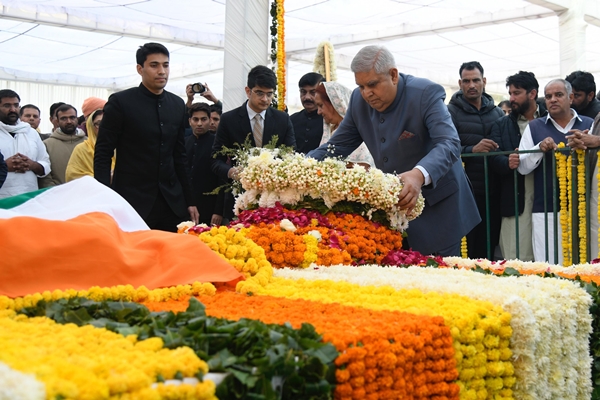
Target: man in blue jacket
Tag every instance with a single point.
(407, 128)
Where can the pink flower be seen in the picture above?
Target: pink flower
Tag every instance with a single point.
(409, 257)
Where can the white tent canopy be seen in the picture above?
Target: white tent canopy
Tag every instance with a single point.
(66, 50)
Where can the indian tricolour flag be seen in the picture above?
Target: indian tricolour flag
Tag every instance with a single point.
(83, 234)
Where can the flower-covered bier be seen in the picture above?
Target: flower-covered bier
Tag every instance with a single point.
(272, 176)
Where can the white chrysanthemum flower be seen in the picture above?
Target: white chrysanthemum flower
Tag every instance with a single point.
(245, 200)
(316, 234)
(185, 226)
(268, 199)
(291, 177)
(290, 196)
(287, 225)
(16, 385)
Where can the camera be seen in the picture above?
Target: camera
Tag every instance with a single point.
(198, 88)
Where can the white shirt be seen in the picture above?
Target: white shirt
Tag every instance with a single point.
(26, 141)
(530, 161)
(252, 113)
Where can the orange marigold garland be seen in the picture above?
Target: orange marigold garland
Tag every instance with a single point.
(384, 354)
(281, 247)
(336, 238)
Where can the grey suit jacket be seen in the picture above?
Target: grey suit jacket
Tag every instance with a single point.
(416, 129)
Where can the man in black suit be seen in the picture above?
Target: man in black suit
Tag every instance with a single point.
(145, 125)
(255, 118)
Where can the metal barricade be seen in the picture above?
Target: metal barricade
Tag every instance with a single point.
(574, 199)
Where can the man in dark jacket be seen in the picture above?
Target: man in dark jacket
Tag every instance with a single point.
(198, 147)
(584, 93)
(506, 132)
(308, 124)
(145, 125)
(3, 170)
(473, 113)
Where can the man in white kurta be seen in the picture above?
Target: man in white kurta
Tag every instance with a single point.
(23, 150)
(562, 120)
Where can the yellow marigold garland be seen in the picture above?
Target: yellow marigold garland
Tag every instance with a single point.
(562, 169)
(581, 210)
(312, 249)
(571, 250)
(91, 363)
(117, 293)
(281, 59)
(245, 255)
(463, 248)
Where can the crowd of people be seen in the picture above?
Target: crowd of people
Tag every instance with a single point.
(163, 155)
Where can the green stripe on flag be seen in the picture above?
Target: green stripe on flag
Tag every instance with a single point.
(14, 201)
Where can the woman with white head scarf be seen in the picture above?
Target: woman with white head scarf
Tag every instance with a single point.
(332, 100)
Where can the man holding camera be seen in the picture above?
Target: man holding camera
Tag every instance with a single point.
(203, 90)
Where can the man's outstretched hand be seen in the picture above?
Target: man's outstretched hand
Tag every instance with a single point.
(412, 180)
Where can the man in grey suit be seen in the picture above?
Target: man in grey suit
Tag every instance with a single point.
(407, 128)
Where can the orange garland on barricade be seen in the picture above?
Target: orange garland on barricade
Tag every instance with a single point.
(581, 205)
(385, 354)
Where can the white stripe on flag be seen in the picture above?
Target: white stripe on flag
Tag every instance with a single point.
(78, 197)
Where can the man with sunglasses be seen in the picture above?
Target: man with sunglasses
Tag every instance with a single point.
(255, 119)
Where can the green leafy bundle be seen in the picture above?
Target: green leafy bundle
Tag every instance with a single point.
(254, 354)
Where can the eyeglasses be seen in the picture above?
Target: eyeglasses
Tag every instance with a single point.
(262, 94)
